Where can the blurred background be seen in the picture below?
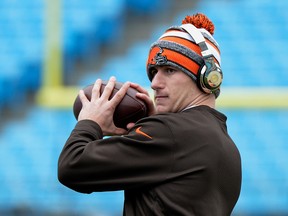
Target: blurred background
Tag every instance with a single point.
(49, 49)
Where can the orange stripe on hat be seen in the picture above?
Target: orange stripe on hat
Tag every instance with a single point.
(178, 36)
(174, 57)
(184, 42)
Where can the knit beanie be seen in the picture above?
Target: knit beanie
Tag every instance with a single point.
(179, 49)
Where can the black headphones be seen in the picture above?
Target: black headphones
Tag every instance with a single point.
(210, 75)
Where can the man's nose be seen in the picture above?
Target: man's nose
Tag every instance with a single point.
(157, 81)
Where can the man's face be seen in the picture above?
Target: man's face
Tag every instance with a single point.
(173, 89)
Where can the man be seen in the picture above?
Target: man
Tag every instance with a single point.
(178, 161)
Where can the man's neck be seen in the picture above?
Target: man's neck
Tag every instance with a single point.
(203, 99)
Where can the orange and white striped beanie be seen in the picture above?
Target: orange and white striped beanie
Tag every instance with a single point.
(177, 48)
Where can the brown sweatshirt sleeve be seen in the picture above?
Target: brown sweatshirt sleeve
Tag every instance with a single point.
(89, 162)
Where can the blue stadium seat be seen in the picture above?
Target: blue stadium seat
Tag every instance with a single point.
(147, 7)
(86, 24)
(260, 136)
(31, 172)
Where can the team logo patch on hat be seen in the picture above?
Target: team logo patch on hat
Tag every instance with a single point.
(160, 59)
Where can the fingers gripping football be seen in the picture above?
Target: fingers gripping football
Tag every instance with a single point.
(114, 100)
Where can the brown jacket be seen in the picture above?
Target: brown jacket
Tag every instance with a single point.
(170, 164)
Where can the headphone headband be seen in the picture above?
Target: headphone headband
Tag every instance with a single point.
(210, 75)
(198, 38)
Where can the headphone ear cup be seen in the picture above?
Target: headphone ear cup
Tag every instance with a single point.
(210, 76)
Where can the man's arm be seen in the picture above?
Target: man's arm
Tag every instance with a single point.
(89, 163)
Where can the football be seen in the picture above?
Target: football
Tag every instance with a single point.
(130, 109)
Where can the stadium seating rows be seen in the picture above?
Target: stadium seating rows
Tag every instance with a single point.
(85, 24)
(28, 171)
(253, 49)
(260, 136)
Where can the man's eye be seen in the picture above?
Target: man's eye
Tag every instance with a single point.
(153, 72)
(170, 70)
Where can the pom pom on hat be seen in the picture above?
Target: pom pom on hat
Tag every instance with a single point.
(200, 20)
